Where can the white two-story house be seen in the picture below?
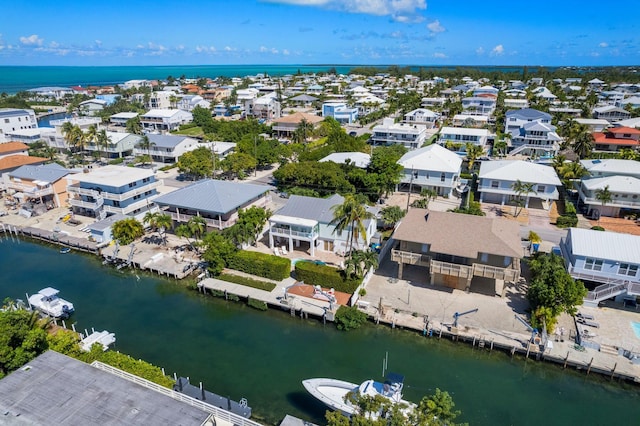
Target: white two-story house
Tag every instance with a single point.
(620, 177)
(164, 120)
(113, 189)
(411, 136)
(497, 179)
(422, 116)
(432, 167)
(531, 132)
(608, 262)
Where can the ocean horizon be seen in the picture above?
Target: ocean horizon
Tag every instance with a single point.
(17, 78)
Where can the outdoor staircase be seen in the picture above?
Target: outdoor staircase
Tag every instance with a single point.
(607, 291)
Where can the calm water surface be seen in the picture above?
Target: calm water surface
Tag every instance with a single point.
(240, 352)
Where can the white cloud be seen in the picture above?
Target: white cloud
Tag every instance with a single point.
(229, 49)
(206, 49)
(480, 50)
(285, 52)
(435, 27)
(399, 10)
(497, 51)
(54, 45)
(32, 40)
(439, 55)
(604, 44)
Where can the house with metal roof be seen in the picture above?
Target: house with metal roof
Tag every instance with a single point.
(497, 178)
(357, 159)
(611, 113)
(436, 247)
(167, 148)
(464, 135)
(121, 118)
(56, 389)
(411, 136)
(216, 201)
(164, 120)
(432, 167)
(305, 223)
(609, 260)
(531, 132)
(40, 183)
(12, 119)
(113, 189)
(422, 116)
(340, 111)
(620, 177)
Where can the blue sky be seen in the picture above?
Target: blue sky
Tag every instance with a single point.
(417, 32)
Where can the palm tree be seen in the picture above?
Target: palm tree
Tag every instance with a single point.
(163, 222)
(183, 231)
(473, 153)
(500, 147)
(127, 230)
(198, 226)
(604, 196)
(583, 143)
(571, 171)
(103, 140)
(134, 126)
(303, 130)
(350, 215)
(145, 143)
(521, 189)
(91, 135)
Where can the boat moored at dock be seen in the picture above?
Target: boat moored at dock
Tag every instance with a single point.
(48, 302)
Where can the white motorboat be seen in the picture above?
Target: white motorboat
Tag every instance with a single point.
(48, 302)
(333, 392)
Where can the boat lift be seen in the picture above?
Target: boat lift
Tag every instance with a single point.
(458, 315)
(534, 331)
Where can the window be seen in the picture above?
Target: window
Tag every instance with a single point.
(593, 264)
(628, 270)
(495, 184)
(484, 257)
(541, 188)
(442, 177)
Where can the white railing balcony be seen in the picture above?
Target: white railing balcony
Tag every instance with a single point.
(287, 232)
(91, 205)
(452, 269)
(410, 258)
(212, 223)
(76, 189)
(127, 209)
(129, 194)
(487, 271)
(31, 191)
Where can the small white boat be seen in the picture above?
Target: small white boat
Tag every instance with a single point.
(65, 250)
(333, 392)
(48, 302)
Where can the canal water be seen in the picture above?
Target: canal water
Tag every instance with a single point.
(263, 356)
(45, 121)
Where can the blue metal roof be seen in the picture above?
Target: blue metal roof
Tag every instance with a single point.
(47, 173)
(213, 196)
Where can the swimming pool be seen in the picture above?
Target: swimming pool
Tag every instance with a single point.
(317, 262)
(636, 328)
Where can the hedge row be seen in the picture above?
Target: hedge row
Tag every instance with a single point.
(570, 218)
(260, 264)
(249, 282)
(325, 276)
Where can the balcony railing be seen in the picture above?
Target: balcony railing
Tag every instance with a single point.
(91, 205)
(213, 223)
(129, 194)
(76, 189)
(487, 271)
(410, 258)
(287, 232)
(452, 269)
(31, 191)
(615, 202)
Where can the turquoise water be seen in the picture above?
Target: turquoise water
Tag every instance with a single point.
(17, 78)
(636, 328)
(241, 352)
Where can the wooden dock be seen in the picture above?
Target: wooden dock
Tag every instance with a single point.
(297, 305)
(53, 237)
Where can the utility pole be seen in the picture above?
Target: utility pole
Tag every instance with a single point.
(410, 188)
(255, 154)
(213, 154)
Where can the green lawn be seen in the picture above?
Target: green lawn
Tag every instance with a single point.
(193, 131)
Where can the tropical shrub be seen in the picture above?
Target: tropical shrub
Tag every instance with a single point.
(349, 318)
(249, 282)
(326, 276)
(260, 264)
(257, 304)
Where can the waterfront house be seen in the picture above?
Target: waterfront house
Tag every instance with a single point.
(12, 119)
(28, 136)
(470, 121)
(432, 167)
(497, 178)
(164, 120)
(161, 99)
(55, 138)
(100, 230)
(594, 124)
(167, 148)
(609, 260)
(43, 183)
(216, 201)
(616, 138)
(471, 253)
(411, 136)
(113, 189)
(119, 144)
(304, 222)
(91, 106)
(189, 102)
